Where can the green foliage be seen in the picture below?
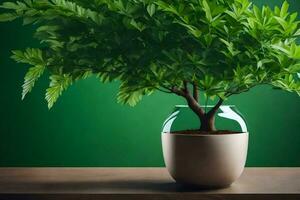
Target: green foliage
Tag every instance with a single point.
(222, 47)
(30, 78)
(58, 84)
(131, 95)
(33, 57)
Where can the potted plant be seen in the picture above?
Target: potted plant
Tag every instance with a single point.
(182, 47)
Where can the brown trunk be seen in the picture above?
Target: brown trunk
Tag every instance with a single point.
(194, 106)
(207, 120)
(207, 123)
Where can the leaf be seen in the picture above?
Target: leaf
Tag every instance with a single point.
(58, 84)
(131, 98)
(128, 96)
(130, 93)
(293, 17)
(296, 52)
(230, 48)
(6, 17)
(31, 77)
(284, 9)
(191, 29)
(207, 10)
(231, 14)
(10, 6)
(151, 9)
(257, 13)
(69, 8)
(162, 4)
(282, 22)
(29, 56)
(167, 7)
(281, 48)
(81, 74)
(262, 62)
(137, 25)
(297, 33)
(294, 68)
(225, 42)
(207, 82)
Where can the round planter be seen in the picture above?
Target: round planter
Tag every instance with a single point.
(205, 160)
(210, 160)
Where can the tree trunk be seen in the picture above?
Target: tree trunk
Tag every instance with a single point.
(207, 123)
(207, 120)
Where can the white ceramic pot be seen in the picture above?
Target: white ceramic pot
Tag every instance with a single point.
(206, 161)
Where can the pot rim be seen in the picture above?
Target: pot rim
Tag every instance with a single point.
(205, 135)
(210, 106)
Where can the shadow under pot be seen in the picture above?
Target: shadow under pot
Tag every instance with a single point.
(205, 160)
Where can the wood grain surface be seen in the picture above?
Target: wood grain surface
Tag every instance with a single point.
(140, 183)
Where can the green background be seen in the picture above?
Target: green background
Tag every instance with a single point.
(88, 128)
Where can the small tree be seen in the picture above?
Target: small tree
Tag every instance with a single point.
(218, 47)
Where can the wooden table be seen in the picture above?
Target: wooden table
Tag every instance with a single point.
(139, 184)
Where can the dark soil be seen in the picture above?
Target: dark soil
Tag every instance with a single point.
(198, 132)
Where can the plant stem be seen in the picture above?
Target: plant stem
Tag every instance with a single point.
(207, 123)
(195, 92)
(207, 120)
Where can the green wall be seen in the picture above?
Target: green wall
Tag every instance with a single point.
(88, 128)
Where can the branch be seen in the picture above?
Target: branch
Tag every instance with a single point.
(191, 101)
(165, 91)
(179, 92)
(185, 86)
(194, 105)
(215, 108)
(229, 93)
(195, 92)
